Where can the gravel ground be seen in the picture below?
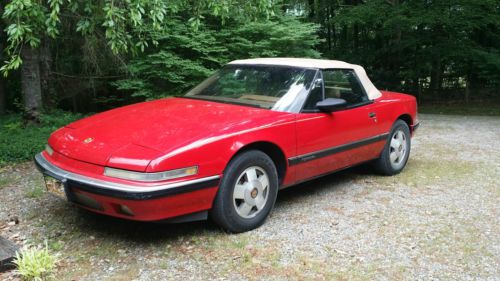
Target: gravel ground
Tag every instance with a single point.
(437, 220)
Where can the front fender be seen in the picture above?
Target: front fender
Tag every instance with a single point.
(212, 154)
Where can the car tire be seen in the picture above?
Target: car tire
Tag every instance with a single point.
(247, 192)
(396, 150)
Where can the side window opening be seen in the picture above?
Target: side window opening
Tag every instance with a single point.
(315, 95)
(340, 84)
(343, 84)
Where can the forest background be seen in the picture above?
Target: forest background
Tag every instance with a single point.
(63, 59)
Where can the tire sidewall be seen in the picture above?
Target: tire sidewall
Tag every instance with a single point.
(398, 125)
(224, 212)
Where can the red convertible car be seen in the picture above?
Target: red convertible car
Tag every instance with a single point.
(225, 148)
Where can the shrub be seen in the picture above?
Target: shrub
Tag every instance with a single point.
(35, 263)
(20, 143)
(184, 56)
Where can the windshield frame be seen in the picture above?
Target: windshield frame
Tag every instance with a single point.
(297, 102)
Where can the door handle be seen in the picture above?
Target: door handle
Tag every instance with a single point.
(372, 115)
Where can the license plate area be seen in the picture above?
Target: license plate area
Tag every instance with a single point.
(55, 186)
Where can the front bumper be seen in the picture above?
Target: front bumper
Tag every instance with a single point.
(415, 127)
(147, 203)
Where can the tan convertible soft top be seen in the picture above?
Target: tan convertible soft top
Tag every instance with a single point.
(370, 89)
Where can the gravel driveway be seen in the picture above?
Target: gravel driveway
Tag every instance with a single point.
(438, 220)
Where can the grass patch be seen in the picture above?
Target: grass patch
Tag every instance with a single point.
(19, 142)
(56, 245)
(481, 109)
(35, 263)
(426, 173)
(35, 192)
(6, 177)
(4, 182)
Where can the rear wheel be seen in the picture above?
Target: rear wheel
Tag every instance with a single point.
(396, 151)
(247, 192)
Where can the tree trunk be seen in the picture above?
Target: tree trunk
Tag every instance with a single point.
(467, 89)
(2, 81)
(334, 31)
(45, 69)
(30, 84)
(312, 9)
(435, 84)
(329, 34)
(419, 91)
(2, 96)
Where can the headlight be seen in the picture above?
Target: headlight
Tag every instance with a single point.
(49, 149)
(150, 177)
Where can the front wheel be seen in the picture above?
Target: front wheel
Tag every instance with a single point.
(396, 151)
(247, 192)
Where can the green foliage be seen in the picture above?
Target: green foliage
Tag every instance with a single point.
(405, 43)
(20, 143)
(282, 36)
(123, 22)
(35, 264)
(478, 109)
(434, 49)
(35, 192)
(186, 56)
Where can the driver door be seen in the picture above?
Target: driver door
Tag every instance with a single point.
(331, 141)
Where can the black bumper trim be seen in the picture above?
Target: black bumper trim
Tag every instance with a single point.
(415, 127)
(142, 195)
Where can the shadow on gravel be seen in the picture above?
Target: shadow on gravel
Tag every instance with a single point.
(141, 232)
(110, 228)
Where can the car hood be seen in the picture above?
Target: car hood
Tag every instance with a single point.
(130, 137)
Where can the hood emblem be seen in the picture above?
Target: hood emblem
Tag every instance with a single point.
(88, 140)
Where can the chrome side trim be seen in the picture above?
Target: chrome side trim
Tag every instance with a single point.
(50, 169)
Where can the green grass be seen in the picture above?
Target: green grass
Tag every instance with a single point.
(3, 182)
(481, 109)
(35, 264)
(19, 142)
(35, 192)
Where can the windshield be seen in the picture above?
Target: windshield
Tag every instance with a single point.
(280, 88)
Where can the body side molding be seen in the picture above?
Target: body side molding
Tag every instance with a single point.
(333, 150)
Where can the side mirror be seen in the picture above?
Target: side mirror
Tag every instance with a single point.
(331, 104)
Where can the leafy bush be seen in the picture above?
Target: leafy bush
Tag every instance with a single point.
(35, 264)
(20, 143)
(184, 56)
(480, 109)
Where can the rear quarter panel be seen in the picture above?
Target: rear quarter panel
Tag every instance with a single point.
(391, 106)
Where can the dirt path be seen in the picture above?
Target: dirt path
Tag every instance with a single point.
(439, 219)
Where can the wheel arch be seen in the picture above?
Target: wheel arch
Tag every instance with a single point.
(407, 118)
(273, 151)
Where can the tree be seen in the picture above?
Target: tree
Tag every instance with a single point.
(2, 82)
(186, 56)
(122, 22)
(407, 44)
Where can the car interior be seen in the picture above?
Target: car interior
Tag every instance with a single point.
(337, 83)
